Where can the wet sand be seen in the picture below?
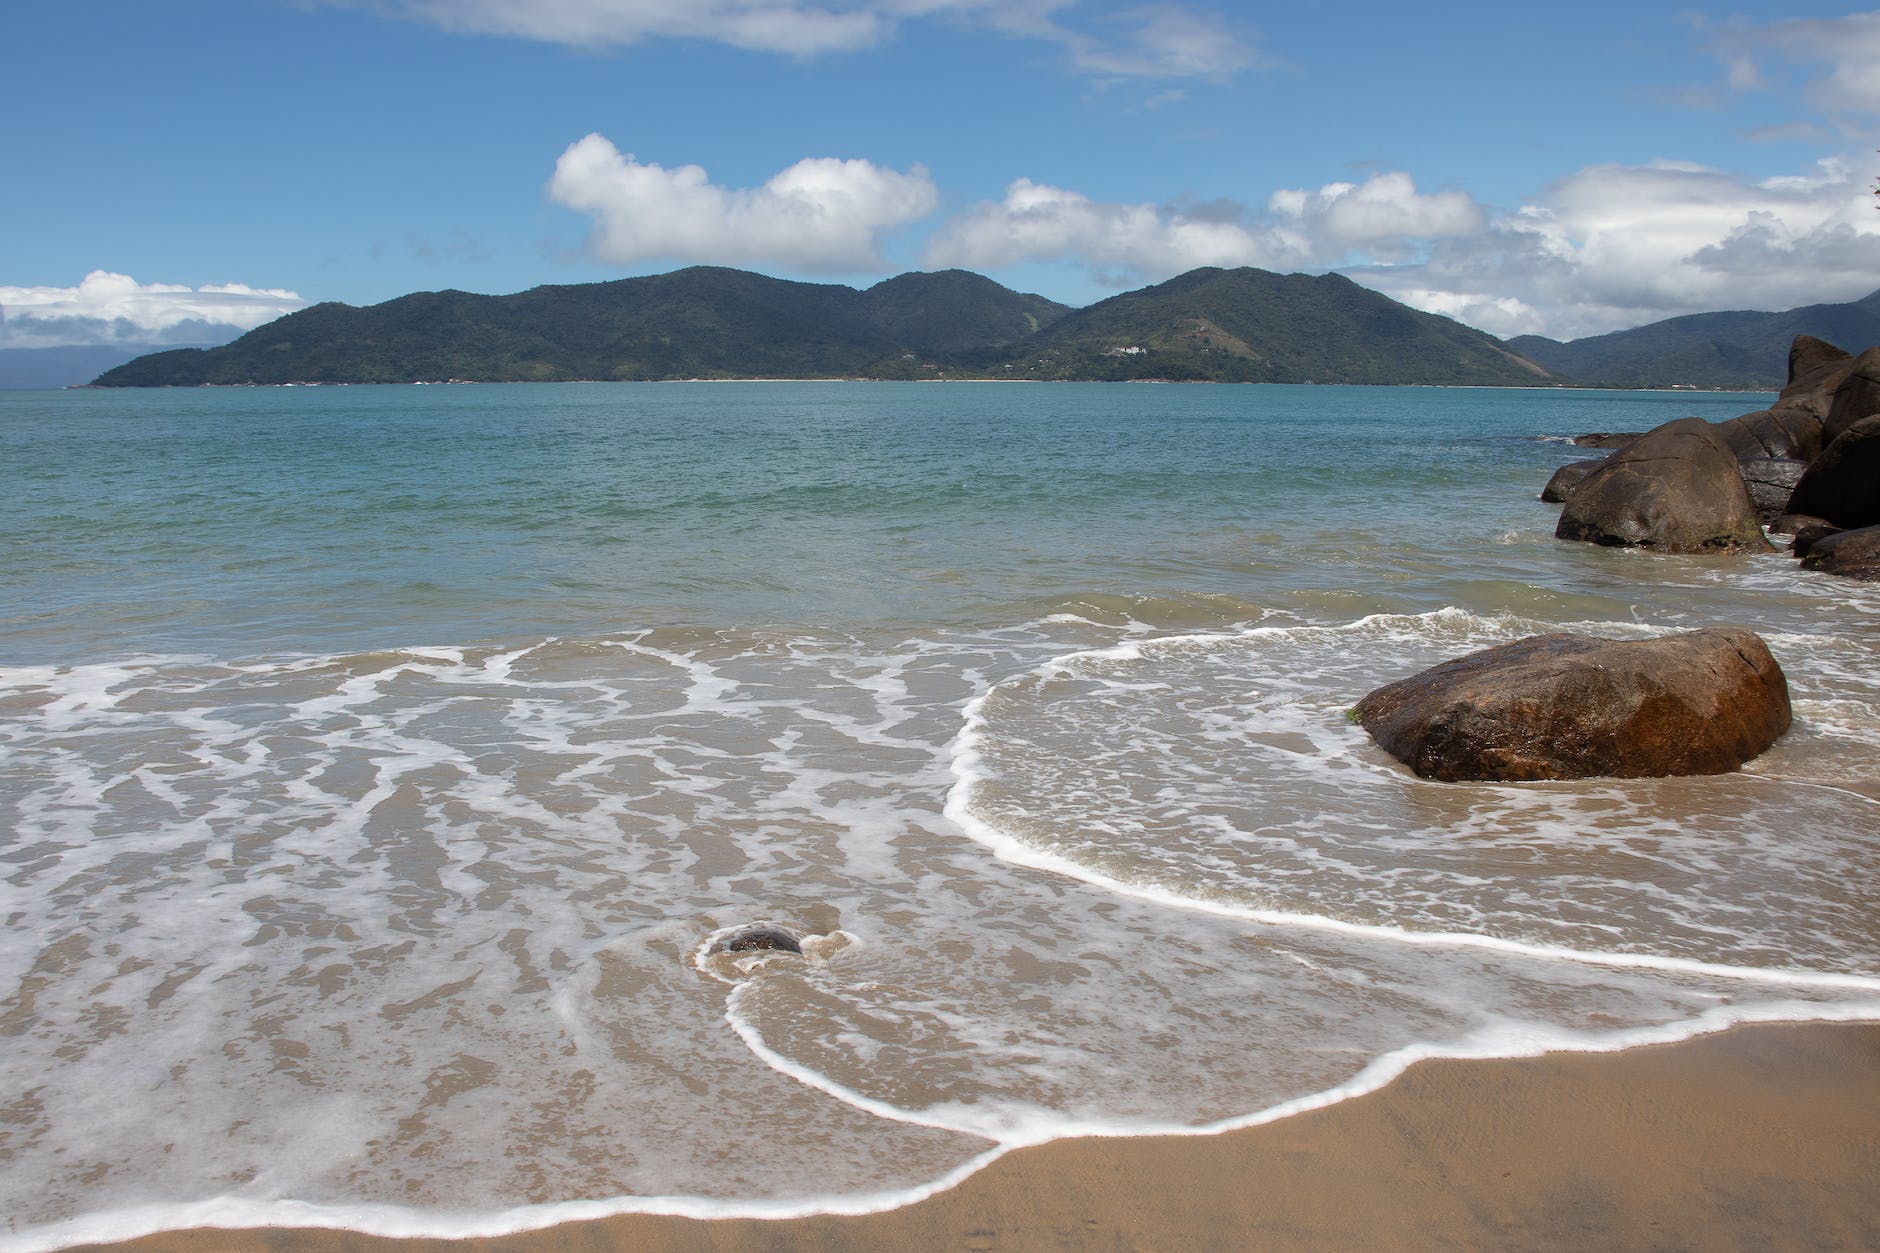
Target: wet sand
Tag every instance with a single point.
(1765, 1137)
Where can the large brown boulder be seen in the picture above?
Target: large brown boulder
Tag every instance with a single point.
(1771, 482)
(1816, 368)
(1778, 434)
(1574, 706)
(1675, 488)
(1566, 478)
(1856, 396)
(1843, 483)
(1811, 358)
(1850, 554)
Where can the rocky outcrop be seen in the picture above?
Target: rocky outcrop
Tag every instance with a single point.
(1843, 483)
(1676, 489)
(1789, 433)
(1771, 482)
(1850, 554)
(1856, 395)
(1570, 706)
(1606, 439)
(1816, 368)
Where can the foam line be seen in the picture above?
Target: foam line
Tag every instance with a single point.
(401, 1223)
(967, 768)
(1016, 852)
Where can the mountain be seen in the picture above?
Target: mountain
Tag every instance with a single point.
(1240, 325)
(955, 310)
(1742, 350)
(702, 322)
(1253, 326)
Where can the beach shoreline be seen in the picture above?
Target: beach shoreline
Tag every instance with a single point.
(1764, 1136)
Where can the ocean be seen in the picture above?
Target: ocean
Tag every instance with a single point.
(383, 771)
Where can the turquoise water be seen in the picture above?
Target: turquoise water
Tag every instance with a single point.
(253, 520)
(380, 768)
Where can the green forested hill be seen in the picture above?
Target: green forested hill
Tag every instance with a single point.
(702, 322)
(1728, 350)
(1248, 325)
(1240, 325)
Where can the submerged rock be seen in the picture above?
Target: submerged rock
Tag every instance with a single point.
(761, 936)
(1850, 554)
(1807, 531)
(1606, 439)
(1676, 488)
(1573, 706)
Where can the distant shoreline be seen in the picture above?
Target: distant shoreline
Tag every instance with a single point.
(1501, 387)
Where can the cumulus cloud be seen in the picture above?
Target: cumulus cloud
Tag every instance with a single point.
(1613, 246)
(1155, 40)
(1384, 212)
(821, 214)
(107, 308)
(1849, 48)
(1385, 215)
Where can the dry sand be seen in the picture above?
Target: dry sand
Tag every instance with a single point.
(1759, 1138)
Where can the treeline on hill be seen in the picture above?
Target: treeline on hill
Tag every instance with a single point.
(1738, 349)
(1241, 325)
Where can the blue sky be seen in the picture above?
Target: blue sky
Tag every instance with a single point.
(179, 171)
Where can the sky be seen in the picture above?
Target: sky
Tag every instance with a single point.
(180, 172)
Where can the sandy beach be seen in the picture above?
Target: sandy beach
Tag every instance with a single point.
(1764, 1137)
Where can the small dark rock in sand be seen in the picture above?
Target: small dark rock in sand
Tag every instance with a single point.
(1573, 706)
(1675, 488)
(1850, 554)
(757, 938)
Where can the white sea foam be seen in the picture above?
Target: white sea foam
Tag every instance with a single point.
(429, 923)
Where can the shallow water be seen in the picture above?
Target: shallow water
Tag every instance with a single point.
(380, 768)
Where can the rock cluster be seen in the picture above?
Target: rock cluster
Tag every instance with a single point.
(1807, 466)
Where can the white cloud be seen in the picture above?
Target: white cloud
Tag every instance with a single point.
(1614, 246)
(1164, 41)
(1848, 46)
(1605, 248)
(821, 214)
(1123, 242)
(107, 308)
(1156, 40)
(1385, 215)
(763, 25)
(1385, 211)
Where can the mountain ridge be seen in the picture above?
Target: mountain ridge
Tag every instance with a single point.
(1738, 349)
(1240, 325)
